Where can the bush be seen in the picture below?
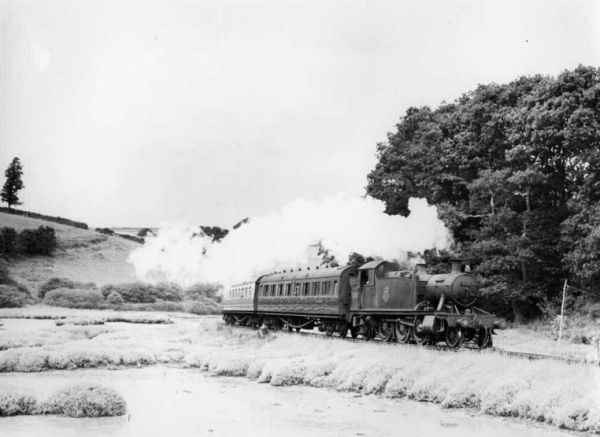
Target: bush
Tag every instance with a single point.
(138, 292)
(115, 298)
(594, 310)
(85, 401)
(144, 232)
(75, 298)
(132, 238)
(12, 297)
(54, 283)
(155, 306)
(8, 241)
(4, 275)
(106, 231)
(40, 241)
(204, 306)
(198, 290)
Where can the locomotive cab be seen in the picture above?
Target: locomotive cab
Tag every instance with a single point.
(381, 286)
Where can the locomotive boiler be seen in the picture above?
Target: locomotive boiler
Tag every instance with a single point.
(376, 299)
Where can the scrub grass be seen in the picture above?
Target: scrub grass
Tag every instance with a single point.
(13, 403)
(557, 393)
(83, 400)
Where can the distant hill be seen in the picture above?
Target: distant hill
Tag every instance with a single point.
(82, 255)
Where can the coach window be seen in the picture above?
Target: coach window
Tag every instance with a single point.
(305, 289)
(335, 288)
(280, 290)
(317, 288)
(273, 289)
(297, 289)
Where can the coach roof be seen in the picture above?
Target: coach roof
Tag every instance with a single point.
(304, 274)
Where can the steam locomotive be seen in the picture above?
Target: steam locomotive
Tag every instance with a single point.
(374, 300)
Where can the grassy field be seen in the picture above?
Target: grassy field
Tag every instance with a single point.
(83, 255)
(553, 392)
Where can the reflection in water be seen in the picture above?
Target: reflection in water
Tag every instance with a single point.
(175, 402)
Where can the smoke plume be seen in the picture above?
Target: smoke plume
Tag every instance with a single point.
(279, 240)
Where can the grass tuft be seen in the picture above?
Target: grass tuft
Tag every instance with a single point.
(85, 400)
(13, 403)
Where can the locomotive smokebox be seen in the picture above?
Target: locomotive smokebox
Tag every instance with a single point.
(457, 286)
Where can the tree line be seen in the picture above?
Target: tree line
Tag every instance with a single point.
(514, 170)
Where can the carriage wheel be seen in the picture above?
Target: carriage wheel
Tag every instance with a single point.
(354, 331)
(298, 329)
(343, 330)
(403, 333)
(454, 336)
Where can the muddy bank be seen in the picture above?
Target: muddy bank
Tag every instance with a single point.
(166, 401)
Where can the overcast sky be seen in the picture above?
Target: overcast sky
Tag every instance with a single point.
(143, 112)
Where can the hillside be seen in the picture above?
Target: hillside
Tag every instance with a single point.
(82, 255)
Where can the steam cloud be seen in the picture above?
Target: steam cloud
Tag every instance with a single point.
(280, 239)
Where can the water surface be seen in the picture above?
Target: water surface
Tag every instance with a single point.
(164, 401)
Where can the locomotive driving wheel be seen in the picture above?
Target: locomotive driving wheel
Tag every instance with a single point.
(417, 336)
(386, 332)
(403, 332)
(454, 336)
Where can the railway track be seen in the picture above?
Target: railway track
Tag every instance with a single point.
(493, 350)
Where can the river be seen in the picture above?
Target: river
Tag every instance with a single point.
(163, 401)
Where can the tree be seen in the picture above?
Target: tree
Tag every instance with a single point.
(216, 233)
(13, 183)
(515, 172)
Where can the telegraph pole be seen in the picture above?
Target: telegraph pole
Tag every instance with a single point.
(562, 312)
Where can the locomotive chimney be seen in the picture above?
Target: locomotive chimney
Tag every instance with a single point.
(456, 265)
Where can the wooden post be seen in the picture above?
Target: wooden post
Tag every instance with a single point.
(562, 312)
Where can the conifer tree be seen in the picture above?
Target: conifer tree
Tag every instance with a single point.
(13, 184)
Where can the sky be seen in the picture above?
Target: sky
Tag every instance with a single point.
(146, 112)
